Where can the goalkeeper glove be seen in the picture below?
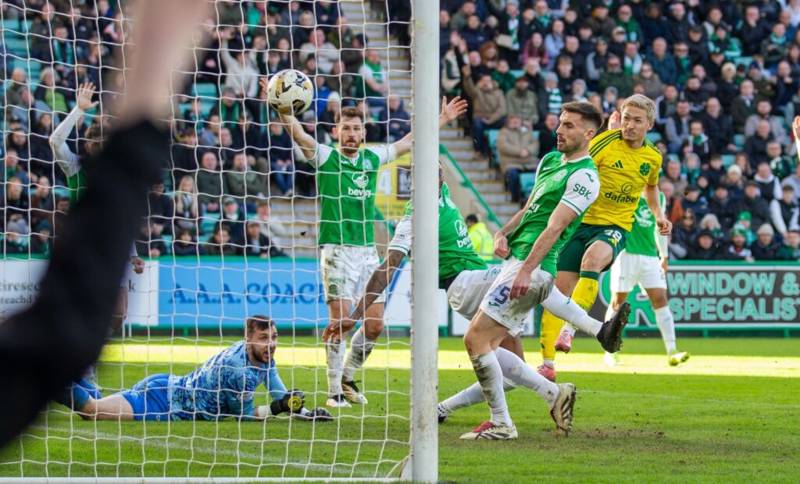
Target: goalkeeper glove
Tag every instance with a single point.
(291, 402)
(318, 414)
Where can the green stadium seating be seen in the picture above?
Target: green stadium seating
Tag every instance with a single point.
(738, 140)
(208, 221)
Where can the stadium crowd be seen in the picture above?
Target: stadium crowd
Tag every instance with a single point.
(725, 77)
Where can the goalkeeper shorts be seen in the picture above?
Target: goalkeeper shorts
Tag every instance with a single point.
(150, 398)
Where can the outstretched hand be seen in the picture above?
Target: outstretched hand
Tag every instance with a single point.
(263, 82)
(796, 127)
(84, 95)
(615, 120)
(452, 110)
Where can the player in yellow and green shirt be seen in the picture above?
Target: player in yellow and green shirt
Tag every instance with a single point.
(628, 166)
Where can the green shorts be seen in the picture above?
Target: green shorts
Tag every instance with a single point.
(571, 255)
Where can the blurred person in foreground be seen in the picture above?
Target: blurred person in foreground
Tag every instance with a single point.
(62, 333)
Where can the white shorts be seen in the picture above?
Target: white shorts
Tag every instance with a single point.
(513, 313)
(468, 289)
(632, 269)
(346, 269)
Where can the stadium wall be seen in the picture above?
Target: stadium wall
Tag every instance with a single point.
(212, 293)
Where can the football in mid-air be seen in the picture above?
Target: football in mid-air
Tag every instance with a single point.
(290, 92)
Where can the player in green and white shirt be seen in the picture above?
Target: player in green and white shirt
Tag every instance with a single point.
(566, 185)
(70, 164)
(466, 278)
(346, 185)
(644, 262)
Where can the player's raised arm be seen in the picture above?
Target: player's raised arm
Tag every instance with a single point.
(66, 159)
(307, 144)
(450, 111)
(796, 131)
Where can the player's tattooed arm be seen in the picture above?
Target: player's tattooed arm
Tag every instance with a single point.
(450, 111)
(377, 283)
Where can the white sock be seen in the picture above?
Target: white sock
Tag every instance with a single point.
(521, 374)
(360, 348)
(568, 328)
(549, 362)
(490, 377)
(469, 396)
(568, 310)
(334, 354)
(610, 312)
(666, 324)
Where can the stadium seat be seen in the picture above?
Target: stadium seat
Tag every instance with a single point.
(738, 140)
(526, 181)
(491, 135)
(743, 61)
(654, 137)
(727, 160)
(208, 221)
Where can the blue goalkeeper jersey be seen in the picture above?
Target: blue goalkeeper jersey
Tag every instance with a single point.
(223, 387)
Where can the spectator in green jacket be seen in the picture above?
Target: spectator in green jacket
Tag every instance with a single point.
(482, 240)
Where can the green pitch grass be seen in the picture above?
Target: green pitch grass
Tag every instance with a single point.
(685, 424)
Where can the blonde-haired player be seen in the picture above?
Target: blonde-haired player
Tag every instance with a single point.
(628, 166)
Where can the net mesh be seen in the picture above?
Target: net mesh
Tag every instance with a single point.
(232, 230)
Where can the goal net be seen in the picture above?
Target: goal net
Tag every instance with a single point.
(232, 232)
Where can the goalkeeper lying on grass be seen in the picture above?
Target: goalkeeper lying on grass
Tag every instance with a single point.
(223, 387)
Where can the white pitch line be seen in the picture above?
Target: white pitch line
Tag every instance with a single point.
(157, 442)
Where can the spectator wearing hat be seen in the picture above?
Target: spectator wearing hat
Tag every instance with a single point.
(705, 247)
(784, 211)
(791, 246)
(600, 22)
(234, 218)
(724, 207)
(518, 151)
(694, 200)
(480, 236)
(765, 247)
(522, 102)
(488, 107)
(737, 248)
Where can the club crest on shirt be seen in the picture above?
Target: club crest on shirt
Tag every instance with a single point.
(361, 180)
